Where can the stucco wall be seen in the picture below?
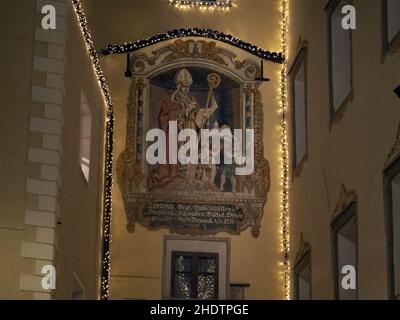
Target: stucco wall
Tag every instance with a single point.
(15, 91)
(80, 201)
(137, 258)
(48, 214)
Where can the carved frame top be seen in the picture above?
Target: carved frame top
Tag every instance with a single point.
(196, 52)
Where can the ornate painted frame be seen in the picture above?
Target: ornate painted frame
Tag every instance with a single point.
(131, 164)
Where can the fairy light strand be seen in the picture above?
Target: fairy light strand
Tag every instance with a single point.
(223, 5)
(285, 240)
(194, 32)
(109, 144)
(199, 3)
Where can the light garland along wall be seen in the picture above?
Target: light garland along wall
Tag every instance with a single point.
(221, 5)
(285, 241)
(110, 124)
(194, 32)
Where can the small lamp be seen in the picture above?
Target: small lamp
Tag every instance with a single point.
(128, 72)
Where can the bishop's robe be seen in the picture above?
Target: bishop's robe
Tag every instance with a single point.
(165, 173)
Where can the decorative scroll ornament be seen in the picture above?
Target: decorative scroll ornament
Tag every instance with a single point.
(304, 248)
(395, 151)
(185, 205)
(301, 43)
(129, 172)
(345, 199)
(200, 50)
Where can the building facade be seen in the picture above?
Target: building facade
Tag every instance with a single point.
(317, 218)
(52, 156)
(341, 83)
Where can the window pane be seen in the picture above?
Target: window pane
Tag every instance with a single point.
(341, 57)
(194, 275)
(207, 264)
(182, 285)
(77, 290)
(300, 113)
(393, 18)
(85, 136)
(396, 232)
(347, 255)
(206, 287)
(304, 283)
(85, 169)
(183, 263)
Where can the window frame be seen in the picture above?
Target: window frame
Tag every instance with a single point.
(301, 59)
(76, 280)
(194, 272)
(387, 46)
(81, 162)
(301, 265)
(336, 115)
(221, 246)
(348, 213)
(389, 174)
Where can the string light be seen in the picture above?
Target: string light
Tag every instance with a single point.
(285, 240)
(194, 32)
(223, 5)
(110, 123)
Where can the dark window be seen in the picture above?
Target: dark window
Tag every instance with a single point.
(302, 273)
(391, 23)
(392, 181)
(340, 56)
(194, 275)
(78, 293)
(345, 251)
(85, 138)
(298, 78)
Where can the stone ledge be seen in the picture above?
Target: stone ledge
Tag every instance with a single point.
(47, 95)
(50, 36)
(47, 188)
(44, 125)
(40, 218)
(49, 65)
(43, 156)
(32, 283)
(37, 251)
